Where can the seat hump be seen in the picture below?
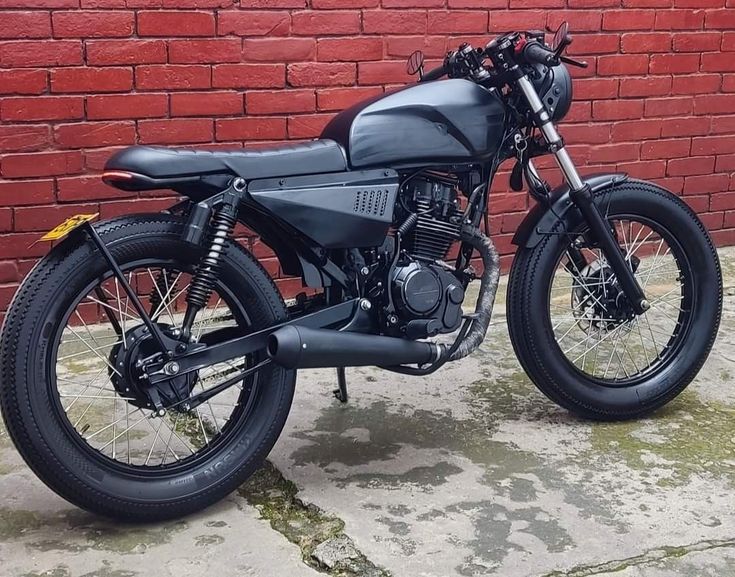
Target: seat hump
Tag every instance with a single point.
(157, 162)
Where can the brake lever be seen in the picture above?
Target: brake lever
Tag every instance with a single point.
(572, 62)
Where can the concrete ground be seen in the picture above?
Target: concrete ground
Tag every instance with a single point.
(469, 471)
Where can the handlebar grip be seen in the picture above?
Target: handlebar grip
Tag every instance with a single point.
(535, 53)
(435, 73)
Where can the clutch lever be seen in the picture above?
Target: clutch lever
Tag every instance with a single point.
(572, 62)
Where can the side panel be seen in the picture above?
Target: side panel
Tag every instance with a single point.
(542, 218)
(343, 210)
(436, 122)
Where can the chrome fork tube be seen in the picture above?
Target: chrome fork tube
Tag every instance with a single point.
(550, 134)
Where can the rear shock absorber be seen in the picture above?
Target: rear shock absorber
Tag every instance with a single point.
(202, 284)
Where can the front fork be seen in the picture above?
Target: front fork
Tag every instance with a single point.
(581, 196)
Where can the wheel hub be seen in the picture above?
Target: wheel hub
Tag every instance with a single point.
(598, 302)
(128, 376)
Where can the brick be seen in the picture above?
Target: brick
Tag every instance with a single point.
(382, 73)
(24, 137)
(501, 21)
(85, 188)
(718, 62)
(394, 22)
(646, 43)
(175, 131)
(342, 4)
(93, 24)
(24, 192)
(250, 129)
(120, 52)
(141, 205)
(697, 41)
(709, 145)
(40, 3)
(280, 101)
(30, 24)
(315, 23)
(679, 19)
(254, 23)
(248, 76)
(307, 125)
(617, 109)
(646, 86)
(643, 168)
(206, 104)
(40, 164)
(668, 106)
(43, 218)
(175, 23)
(686, 127)
(696, 84)
(454, 21)
(628, 19)
(422, 4)
(167, 77)
(622, 64)
(714, 104)
(40, 53)
(674, 63)
(673, 148)
(707, 183)
(23, 81)
(579, 20)
(18, 245)
(42, 108)
(595, 44)
(211, 50)
(404, 46)
(91, 79)
(121, 106)
(321, 74)
(720, 19)
(349, 49)
(341, 98)
(615, 152)
(596, 88)
(279, 49)
(92, 134)
(690, 166)
(636, 130)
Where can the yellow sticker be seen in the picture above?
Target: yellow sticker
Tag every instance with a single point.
(68, 225)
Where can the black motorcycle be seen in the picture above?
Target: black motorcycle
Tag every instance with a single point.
(149, 361)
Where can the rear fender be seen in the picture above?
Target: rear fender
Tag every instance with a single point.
(542, 217)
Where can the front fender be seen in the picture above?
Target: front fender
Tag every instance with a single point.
(543, 217)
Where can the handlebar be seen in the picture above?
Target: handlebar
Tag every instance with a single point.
(536, 53)
(435, 73)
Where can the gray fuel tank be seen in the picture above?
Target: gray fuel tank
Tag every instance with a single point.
(439, 122)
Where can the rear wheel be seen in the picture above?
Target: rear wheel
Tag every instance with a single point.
(71, 396)
(574, 330)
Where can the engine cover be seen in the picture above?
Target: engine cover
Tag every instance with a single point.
(428, 298)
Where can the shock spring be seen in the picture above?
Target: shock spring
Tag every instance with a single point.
(202, 284)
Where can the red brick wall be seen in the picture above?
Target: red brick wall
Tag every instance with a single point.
(79, 78)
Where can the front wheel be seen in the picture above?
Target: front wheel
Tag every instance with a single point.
(72, 396)
(576, 334)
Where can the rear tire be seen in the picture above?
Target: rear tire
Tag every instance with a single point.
(40, 429)
(534, 339)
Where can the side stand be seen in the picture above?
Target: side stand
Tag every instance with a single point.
(341, 392)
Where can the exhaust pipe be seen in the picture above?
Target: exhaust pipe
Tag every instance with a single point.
(295, 347)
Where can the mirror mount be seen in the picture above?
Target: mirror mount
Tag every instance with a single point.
(415, 64)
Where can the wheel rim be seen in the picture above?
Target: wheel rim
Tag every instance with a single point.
(100, 418)
(593, 324)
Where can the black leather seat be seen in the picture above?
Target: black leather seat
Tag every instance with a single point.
(168, 165)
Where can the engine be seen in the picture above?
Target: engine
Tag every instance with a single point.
(427, 296)
(439, 217)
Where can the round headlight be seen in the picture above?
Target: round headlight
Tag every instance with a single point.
(554, 87)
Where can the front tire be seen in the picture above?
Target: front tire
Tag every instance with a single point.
(131, 486)
(638, 377)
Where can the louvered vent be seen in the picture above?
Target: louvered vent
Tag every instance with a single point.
(371, 202)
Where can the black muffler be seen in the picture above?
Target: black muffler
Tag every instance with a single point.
(295, 347)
